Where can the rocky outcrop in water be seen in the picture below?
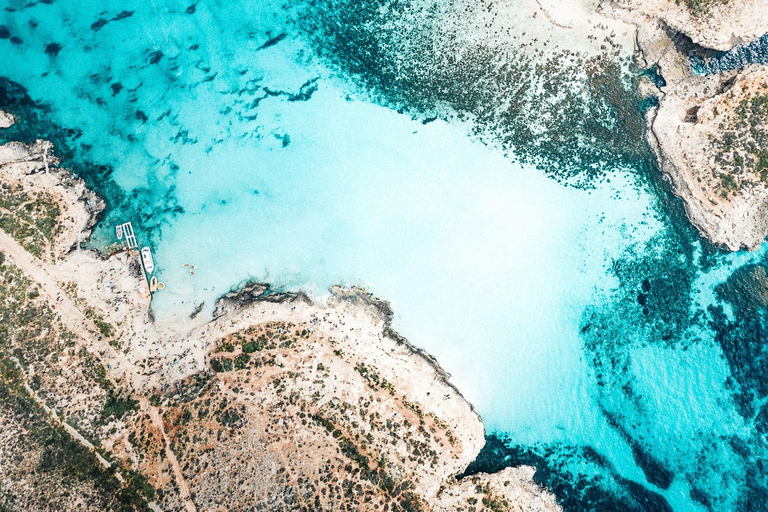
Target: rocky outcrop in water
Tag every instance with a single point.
(708, 131)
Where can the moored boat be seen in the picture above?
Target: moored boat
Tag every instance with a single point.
(146, 258)
(153, 284)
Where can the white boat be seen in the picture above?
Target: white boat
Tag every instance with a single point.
(119, 231)
(153, 284)
(146, 258)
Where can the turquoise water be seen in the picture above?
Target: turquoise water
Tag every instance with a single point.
(557, 282)
(754, 52)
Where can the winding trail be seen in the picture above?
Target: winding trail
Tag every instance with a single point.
(157, 421)
(88, 335)
(71, 315)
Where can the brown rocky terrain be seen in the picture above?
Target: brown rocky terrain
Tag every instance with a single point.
(715, 24)
(279, 403)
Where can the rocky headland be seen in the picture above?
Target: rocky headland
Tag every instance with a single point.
(708, 131)
(6, 120)
(278, 403)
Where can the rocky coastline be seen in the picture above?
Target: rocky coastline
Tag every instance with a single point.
(708, 131)
(6, 120)
(279, 402)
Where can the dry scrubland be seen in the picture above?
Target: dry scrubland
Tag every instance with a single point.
(277, 404)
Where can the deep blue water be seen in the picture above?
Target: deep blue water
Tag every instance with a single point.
(496, 189)
(755, 52)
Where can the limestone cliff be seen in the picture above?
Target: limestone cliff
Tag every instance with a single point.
(708, 131)
(715, 24)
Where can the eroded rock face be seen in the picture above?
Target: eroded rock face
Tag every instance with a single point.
(708, 131)
(715, 24)
(713, 147)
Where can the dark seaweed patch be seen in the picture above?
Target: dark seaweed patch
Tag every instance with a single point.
(285, 139)
(574, 118)
(306, 91)
(653, 469)
(99, 24)
(53, 49)
(16, 40)
(191, 9)
(305, 94)
(272, 41)
(701, 497)
(116, 88)
(581, 478)
(122, 15)
(5, 32)
(183, 137)
(155, 57)
(655, 281)
(647, 499)
(743, 339)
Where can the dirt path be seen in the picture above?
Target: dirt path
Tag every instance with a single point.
(72, 317)
(66, 426)
(154, 414)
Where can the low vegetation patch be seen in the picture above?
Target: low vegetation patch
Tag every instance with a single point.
(701, 7)
(742, 149)
(32, 219)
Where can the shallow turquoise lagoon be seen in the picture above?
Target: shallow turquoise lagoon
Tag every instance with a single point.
(589, 326)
